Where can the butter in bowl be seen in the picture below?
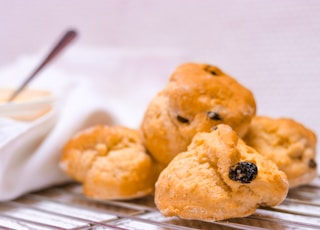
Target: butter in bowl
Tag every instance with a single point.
(29, 105)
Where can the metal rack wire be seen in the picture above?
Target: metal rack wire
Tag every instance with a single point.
(64, 207)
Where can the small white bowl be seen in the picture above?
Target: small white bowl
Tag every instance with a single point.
(28, 106)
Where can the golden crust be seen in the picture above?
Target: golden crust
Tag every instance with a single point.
(196, 183)
(196, 98)
(111, 162)
(288, 143)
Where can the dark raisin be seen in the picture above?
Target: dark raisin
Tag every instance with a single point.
(312, 164)
(243, 172)
(214, 128)
(299, 157)
(182, 119)
(210, 70)
(214, 116)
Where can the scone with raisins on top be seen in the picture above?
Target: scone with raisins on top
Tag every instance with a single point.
(197, 97)
(217, 178)
(288, 143)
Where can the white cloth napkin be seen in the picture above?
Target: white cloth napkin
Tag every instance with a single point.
(30, 151)
(117, 92)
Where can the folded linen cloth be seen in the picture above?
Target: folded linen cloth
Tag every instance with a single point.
(30, 151)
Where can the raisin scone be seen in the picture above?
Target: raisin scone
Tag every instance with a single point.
(111, 162)
(217, 178)
(197, 97)
(288, 143)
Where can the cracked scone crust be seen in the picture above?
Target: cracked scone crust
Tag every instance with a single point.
(197, 184)
(197, 97)
(111, 162)
(287, 143)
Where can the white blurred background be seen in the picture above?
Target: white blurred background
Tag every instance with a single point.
(272, 47)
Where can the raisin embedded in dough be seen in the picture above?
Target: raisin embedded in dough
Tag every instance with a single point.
(212, 70)
(312, 164)
(243, 172)
(182, 119)
(214, 116)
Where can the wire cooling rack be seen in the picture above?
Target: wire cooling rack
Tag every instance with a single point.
(64, 207)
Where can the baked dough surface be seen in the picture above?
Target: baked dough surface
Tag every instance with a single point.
(288, 143)
(200, 183)
(196, 98)
(111, 162)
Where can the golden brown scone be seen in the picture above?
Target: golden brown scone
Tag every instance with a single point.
(197, 97)
(287, 143)
(111, 162)
(218, 177)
